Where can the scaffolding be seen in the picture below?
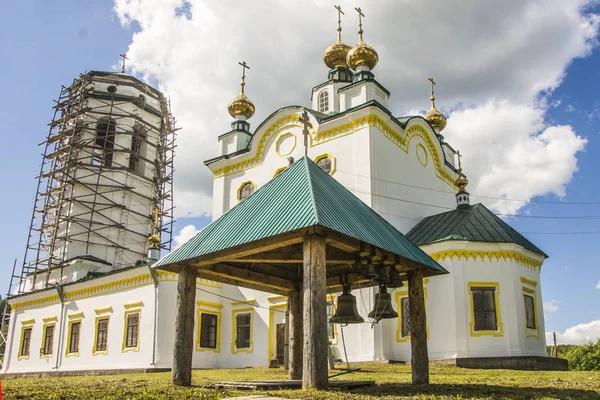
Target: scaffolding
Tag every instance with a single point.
(107, 164)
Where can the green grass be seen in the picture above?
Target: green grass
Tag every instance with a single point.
(393, 381)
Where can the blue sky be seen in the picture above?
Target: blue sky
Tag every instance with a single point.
(47, 44)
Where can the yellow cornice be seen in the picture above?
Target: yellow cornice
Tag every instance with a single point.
(127, 306)
(249, 302)
(498, 255)
(76, 315)
(528, 282)
(49, 319)
(209, 304)
(29, 321)
(103, 310)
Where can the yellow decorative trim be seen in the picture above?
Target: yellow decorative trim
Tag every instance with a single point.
(68, 347)
(499, 332)
(24, 305)
(422, 156)
(23, 328)
(331, 158)
(272, 331)
(528, 282)
(134, 304)
(333, 299)
(531, 333)
(168, 276)
(239, 189)
(399, 296)
(235, 350)
(210, 304)
(244, 302)
(100, 352)
(49, 321)
(75, 315)
(279, 170)
(30, 321)
(276, 298)
(103, 310)
(498, 255)
(279, 125)
(280, 138)
(125, 349)
(202, 310)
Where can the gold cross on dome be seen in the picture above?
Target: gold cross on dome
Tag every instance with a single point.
(157, 214)
(244, 68)
(459, 163)
(339, 28)
(360, 29)
(124, 56)
(306, 124)
(430, 79)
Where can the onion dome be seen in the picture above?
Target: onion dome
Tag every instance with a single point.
(241, 106)
(435, 118)
(335, 55)
(461, 182)
(154, 240)
(362, 55)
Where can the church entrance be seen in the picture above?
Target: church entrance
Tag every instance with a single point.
(280, 340)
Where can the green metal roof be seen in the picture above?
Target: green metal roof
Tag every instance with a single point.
(473, 223)
(301, 196)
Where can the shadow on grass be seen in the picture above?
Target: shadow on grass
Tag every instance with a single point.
(476, 391)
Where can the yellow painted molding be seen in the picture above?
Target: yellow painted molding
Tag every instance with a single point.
(110, 287)
(201, 311)
(491, 255)
(528, 282)
(272, 331)
(333, 299)
(30, 321)
(21, 357)
(75, 315)
(277, 298)
(49, 319)
(100, 352)
(209, 304)
(331, 158)
(168, 276)
(279, 170)
(244, 302)
(529, 332)
(103, 310)
(68, 341)
(280, 138)
(234, 349)
(497, 333)
(25, 305)
(124, 348)
(422, 155)
(399, 296)
(133, 304)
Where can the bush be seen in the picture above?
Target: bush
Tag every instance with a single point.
(585, 357)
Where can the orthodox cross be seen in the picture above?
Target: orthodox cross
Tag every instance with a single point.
(459, 163)
(430, 79)
(244, 68)
(339, 28)
(124, 56)
(360, 30)
(305, 121)
(156, 213)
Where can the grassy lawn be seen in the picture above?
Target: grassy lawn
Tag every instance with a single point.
(393, 381)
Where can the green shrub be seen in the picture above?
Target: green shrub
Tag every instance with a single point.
(585, 357)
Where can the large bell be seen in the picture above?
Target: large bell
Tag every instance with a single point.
(346, 311)
(383, 306)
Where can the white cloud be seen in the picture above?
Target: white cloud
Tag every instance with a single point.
(598, 285)
(550, 306)
(578, 334)
(185, 234)
(485, 57)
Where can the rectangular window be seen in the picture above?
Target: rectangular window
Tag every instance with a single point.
(25, 342)
(134, 157)
(74, 337)
(330, 326)
(208, 331)
(131, 339)
(101, 334)
(243, 331)
(484, 309)
(48, 340)
(530, 311)
(405, 316)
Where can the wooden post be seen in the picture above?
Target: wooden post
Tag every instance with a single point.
(183, 345)
(314, 375)
(296, 335)
(418, 328)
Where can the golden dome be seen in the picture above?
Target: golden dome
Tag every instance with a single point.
(436, 119)
(362, 55)
(461, 182)
(241, 106)
(154, 240)
(335, 55)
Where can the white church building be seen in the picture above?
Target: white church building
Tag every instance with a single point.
(91, 300)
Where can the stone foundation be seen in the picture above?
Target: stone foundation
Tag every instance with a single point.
(532, 363)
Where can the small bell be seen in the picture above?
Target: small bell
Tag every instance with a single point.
(346, 311)
(370, 272)
(395, 280)
(383, 306)
(382, 276)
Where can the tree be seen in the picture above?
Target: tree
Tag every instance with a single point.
(585, 357)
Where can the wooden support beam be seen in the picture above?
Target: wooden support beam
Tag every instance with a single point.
(418, 330)
(183, 345)
(314, 375)
(242, 275)
(204, 274)
(295, 335)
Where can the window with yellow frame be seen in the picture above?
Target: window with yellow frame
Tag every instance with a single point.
(485, 309)
(246, 190)
(402, 305)
(532, 327)
(326, 162)
(47, 347)
(243, 330)
(25, 342)
(131, 331)
(74, 335)
(208, 336)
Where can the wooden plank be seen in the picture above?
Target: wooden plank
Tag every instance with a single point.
(228, 271)
(205, 274)
(342, 242)
(418, 330)
(314, 375)
(295, 335)
(183, 345)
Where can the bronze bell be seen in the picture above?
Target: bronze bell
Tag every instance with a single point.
(346, 311)
(371, 272)
(395, 280)
(382, 276)
(383, 306)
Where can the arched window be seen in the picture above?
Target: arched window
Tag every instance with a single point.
(324, 101)
(137, 139)
(105, 141)
(325, 162)
(246, 190)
